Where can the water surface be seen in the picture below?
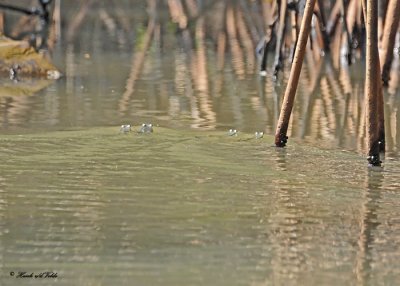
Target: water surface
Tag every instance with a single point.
(194, 208)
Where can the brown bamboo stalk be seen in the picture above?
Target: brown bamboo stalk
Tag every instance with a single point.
(1, 23)
(389, 36)
(380, 100)
(381, 110)
(371, 84)
(290, 92)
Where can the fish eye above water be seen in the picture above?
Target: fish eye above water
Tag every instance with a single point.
(125, 128)
(259, 135)
(232, 132)
(146, 128)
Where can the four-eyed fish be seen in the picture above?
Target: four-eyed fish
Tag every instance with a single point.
(232, 132)
(259, 135)
(125, 128)
(146, 128)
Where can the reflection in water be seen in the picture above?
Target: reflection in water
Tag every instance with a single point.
(193, 75)
(3, 228)
(286, 223)
(369, 222)
(289, 255)
(280, 159)
(237, 52)
(200, 76)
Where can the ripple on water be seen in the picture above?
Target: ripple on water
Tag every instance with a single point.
(194, 207)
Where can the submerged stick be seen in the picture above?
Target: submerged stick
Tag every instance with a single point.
(290, 92)
(371, 84)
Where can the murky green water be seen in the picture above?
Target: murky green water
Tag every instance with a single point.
(194, 208)
(188, 204)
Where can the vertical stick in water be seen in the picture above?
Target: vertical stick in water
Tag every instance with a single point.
(290, 92)
(389, 36)
(371, 84)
